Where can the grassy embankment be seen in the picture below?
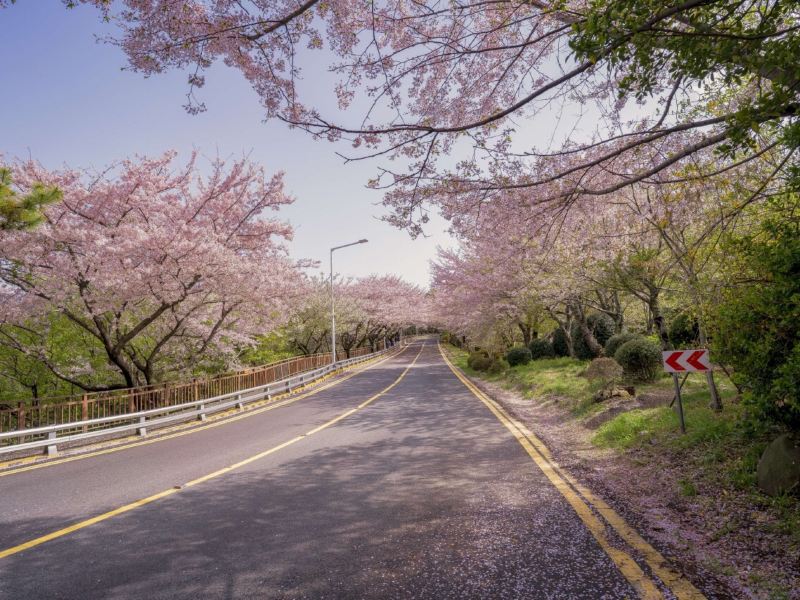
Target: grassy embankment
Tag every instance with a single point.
(717, 455)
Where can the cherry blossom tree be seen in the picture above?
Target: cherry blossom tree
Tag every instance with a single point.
(463, 92)
(368, 310)
(388, 304)
(160, 266)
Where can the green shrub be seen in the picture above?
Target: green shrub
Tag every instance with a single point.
(757, 325)
(541, 348)
(476, 355)
(640, 358)
(497, 366)
(450, 338)
(481, 363)
(602, 327)
(615, 341)
(683, 331)
(518, 356)
(560, 347)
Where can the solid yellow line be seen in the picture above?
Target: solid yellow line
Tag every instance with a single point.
(128, 507)
(625, 563)
(67, 530)
(195, 429)
(677, 583)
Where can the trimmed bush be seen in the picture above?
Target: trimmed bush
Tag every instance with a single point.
(541, 348)
(481, 363)
(475, 355)
(604, 370)
(602, 327)
(518, 356)
(497, 366)
(683, 330)
(640, 359)
(615, 341)
(560, 347)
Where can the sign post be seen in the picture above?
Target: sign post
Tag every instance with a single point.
(684, 361)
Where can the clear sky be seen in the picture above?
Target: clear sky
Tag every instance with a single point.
(64, 100)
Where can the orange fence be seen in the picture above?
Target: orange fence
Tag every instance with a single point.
(68, 409)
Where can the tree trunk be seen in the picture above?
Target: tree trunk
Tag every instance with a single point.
(591, 342)
(568, 339)
(588, 337)
(654, 310)
(527, 331)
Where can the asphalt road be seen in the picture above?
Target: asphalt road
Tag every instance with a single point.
(421, 493)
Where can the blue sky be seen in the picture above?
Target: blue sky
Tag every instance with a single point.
(65, 100)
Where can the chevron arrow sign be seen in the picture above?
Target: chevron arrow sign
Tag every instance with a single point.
(685, 361)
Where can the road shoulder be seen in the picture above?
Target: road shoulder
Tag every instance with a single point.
(611, 478)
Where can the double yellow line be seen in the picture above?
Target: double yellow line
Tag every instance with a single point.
(174, 490)
(583, 501)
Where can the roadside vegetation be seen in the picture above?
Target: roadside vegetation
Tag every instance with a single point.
(716, 458)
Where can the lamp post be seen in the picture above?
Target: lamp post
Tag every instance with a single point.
(333, 304)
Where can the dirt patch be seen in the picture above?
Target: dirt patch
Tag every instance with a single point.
(725, 546)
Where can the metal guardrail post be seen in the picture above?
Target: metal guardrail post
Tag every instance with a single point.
(142, 431)
(239, 403)
(21, 418)
(201, 412)
(52, 449)
(85, 411)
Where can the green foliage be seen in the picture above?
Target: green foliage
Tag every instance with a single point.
(725, 44)
(269, 348)
(476, 355)
(448, 337)
(519, 356)
(23, 212)
(683, 330)
(640, 358)
(560, 346)
(757, 325)
(479, 361)
(602, 327)
(541, 348)
(497, 366)
(55, 340)
(615, 341)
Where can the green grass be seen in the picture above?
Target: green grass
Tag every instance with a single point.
(547, 377)
(661, 425)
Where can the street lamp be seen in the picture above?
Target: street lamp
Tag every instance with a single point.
(333, 304)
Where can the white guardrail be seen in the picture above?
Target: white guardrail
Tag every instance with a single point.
(140, 421)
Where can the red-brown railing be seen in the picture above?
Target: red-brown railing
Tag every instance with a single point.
(67, 409)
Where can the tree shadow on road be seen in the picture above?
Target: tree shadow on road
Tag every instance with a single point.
(420, 495)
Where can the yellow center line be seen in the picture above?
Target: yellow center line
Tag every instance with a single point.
(194, 429)
(138, 503)
(536, 449)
